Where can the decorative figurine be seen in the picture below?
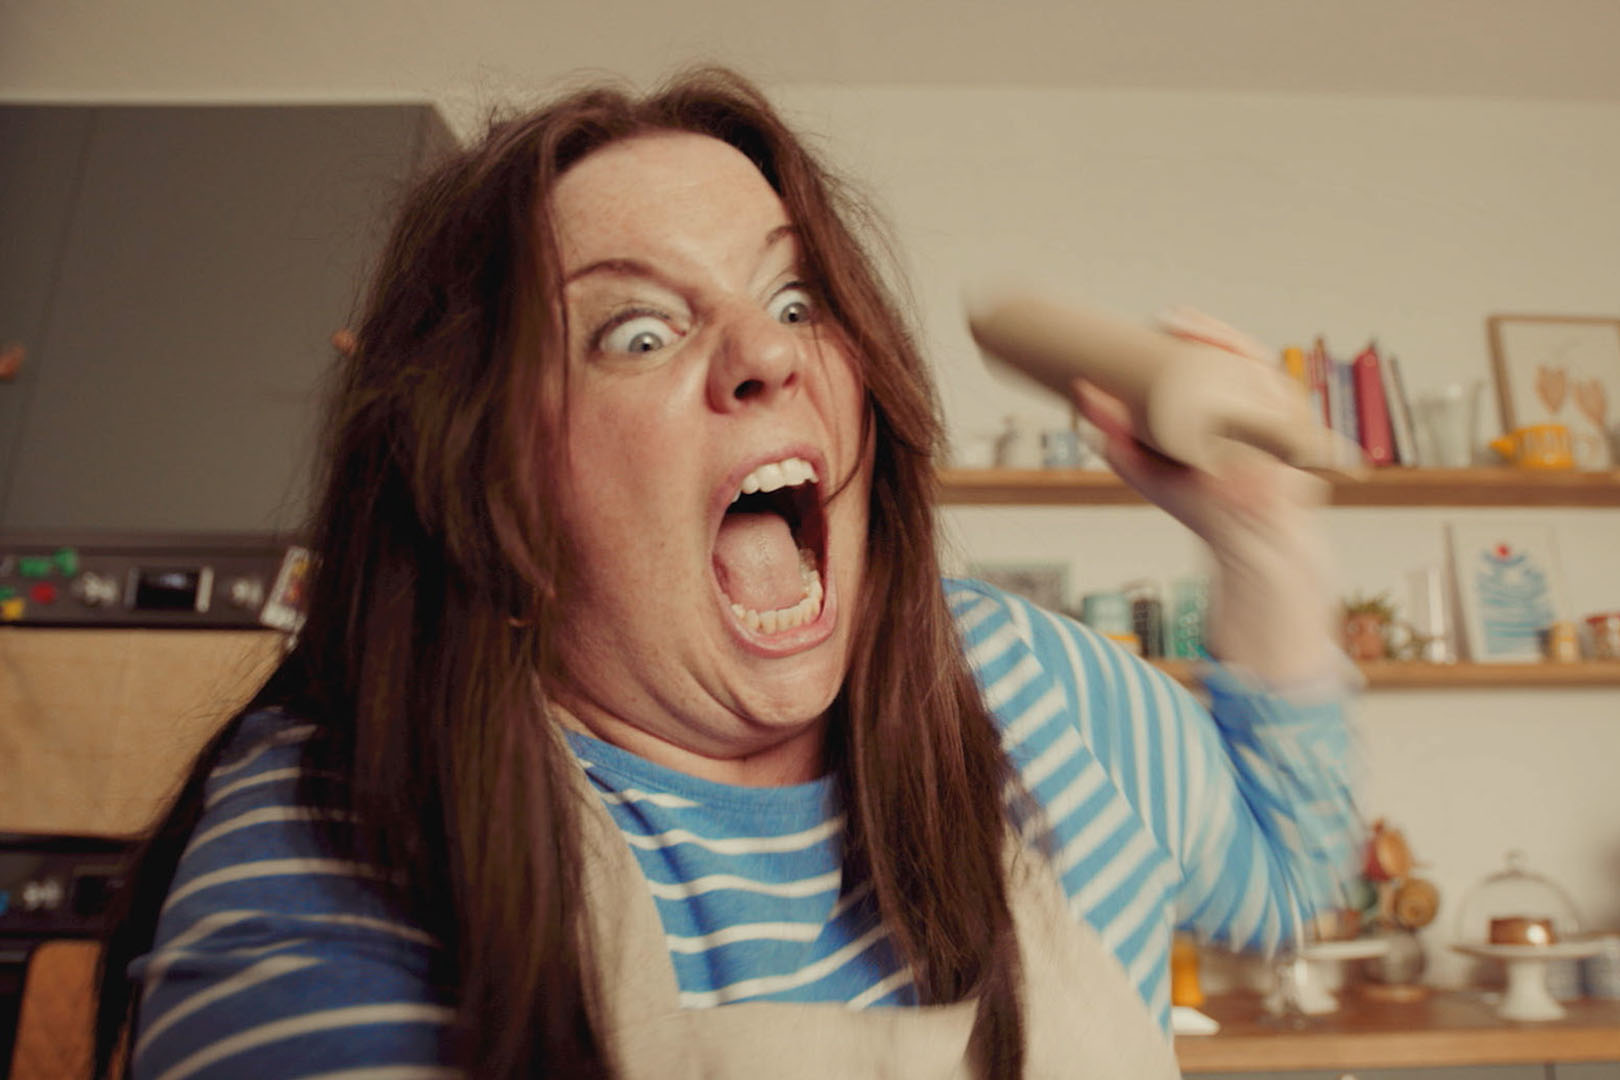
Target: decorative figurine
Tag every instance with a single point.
(1398, 905)
(1367, 625)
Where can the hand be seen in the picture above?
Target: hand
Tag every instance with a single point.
(1249, 489)
(1270, 607)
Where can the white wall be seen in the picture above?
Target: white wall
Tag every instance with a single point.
(1405, 219)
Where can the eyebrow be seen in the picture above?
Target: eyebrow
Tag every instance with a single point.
(625, 267)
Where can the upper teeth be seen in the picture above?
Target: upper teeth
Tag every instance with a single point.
(789, 472)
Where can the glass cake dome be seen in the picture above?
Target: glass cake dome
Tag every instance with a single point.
(1516, 906)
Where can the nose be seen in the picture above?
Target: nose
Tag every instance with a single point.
(756, 362)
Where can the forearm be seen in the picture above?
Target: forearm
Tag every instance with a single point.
(1290, 766)
(1270, 611)
(1278, 704)
(1271, 593)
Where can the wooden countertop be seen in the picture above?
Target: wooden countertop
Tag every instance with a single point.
(1443, 1029)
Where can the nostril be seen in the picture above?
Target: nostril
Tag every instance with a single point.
(748, 388)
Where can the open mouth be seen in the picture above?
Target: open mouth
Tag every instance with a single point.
(771, 547)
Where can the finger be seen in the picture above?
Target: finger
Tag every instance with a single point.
(1105, 411)
(1191, 324)
(1133, 459)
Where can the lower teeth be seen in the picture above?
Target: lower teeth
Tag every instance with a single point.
(806, 610)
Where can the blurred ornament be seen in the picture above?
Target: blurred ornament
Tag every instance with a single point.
(1388, 857)
(1395, 976)
(1366, 626)
(1415, 904)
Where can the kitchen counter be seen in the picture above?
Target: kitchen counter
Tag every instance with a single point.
(1443, 1029)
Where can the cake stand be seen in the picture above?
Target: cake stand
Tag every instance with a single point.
(1527, 997)
(1314, 969)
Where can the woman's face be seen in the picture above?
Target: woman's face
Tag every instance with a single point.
(713, 412)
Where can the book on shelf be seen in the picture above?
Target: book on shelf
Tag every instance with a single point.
(1346, 415)
(1400, 411)
(1293, 365)
(1363, 400)
(1372, 409)
(1330, 385)
(1317, 366)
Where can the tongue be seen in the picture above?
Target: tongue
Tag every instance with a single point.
(757, 561)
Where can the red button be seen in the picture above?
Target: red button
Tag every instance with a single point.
(43, 593)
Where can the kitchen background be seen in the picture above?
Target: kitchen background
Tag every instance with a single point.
(1384, 169)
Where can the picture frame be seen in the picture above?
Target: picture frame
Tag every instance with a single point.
(1046, 584)
(1560, 369)
(1508, 583)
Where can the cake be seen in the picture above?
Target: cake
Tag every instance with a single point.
(1522, 930)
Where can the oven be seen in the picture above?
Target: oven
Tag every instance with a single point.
(120, 655)
(51, 887)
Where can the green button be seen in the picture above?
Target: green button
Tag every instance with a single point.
(7, 592)
(35, 566)
(67, 561)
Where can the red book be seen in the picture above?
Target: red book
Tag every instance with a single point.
(1372, 410)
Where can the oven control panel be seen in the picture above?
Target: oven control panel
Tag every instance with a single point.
(207, 582)
(56, 886)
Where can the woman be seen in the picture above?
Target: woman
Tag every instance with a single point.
(632, 732)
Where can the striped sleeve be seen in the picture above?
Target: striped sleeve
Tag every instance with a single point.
(1233, 820)
(272, 958)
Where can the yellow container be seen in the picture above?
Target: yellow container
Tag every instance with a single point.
(1184, 987)
(1537, 446)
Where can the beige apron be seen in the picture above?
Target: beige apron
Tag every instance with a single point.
(1082, 1016)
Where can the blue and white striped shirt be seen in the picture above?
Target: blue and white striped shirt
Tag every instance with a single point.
(274, 960)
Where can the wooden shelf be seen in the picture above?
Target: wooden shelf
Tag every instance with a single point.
(1394, 675)
(1374, 487)
(1445, 1029)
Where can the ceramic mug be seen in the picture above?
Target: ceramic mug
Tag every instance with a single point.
(1061, 449)
(1537, 446)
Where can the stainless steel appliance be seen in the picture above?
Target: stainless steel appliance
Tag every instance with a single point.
(172, 280)
(197, 581)
(50, 887)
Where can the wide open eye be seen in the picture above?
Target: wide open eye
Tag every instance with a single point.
(640, 333)
(794, 304)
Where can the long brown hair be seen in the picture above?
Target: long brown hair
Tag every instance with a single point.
(432, 613)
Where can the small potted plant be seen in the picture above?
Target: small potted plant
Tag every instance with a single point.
(1367, 622)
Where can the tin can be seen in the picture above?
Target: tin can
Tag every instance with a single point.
(1564, 979)
(1189, 601)
(1106, 612)
(1600, 973)
(1061, 449)
(1147, 618)
(1562, 642)
(1605, 630)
